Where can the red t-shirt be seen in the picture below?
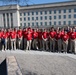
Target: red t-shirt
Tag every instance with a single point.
(65, 37)
(73, 35)
(29, 36)
(19, 33)
(5, 35)
(52, 34)
(0, 35)
(35, 35)
(40, 35)
(58, 36)
(62, 33)
(13, 35)
(45, 35)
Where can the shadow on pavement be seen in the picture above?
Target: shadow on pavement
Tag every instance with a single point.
(3, 68)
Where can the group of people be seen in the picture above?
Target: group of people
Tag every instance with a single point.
(52, 39)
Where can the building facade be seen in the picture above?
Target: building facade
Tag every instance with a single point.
(50, 14)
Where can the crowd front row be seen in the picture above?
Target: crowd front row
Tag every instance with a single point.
(54, 40)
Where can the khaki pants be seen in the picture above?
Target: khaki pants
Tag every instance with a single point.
(19, 43)
(34, 44)
(45, 45)
(28, 44)
(73, 46)
(59, 45)
(65, 46)
(13, 44)
(52, 45)
(40, 44)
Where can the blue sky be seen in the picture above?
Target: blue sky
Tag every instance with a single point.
(31, 2)
(44, 1)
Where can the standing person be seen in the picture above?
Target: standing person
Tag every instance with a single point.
(13, 39)
(0, 39)
(29, 39)
(45, 38)
(73, 40)
(52, 34)
(35, 36)
(4, 40)
(19, 37)
(40, 38)
(65, 41)
(58, 39)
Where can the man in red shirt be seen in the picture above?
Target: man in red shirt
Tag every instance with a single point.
(13, 39)
(35, 36)
(19, 36)
(59, 40)
(73, 41)
(45, 38)
(40, 38)
(52, 34)
(65, 38)
(29, 39)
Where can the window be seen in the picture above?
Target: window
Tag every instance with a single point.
(41, 18)
(24, 14)
(69, 16)
(41, 23)
(45, 12)
(32, 13)
(59, 16)
(59, 11)
(75, 22)
(74, 15)
(64, 10)
(54, 23)
(45, 23)
(24, 24)
(28, 24)
(37, 23)
(64, 16)
(64, 22)
(36, 13)
(40, 12)
(69, 22)
(59, 22)
(75, 10)
(28, 13)
(36, 18)
(28, 18)
(20, 24)
(20, 14)
(50, 17)
(54, 17)
(32, 18)
(32, 24)
(69, 10)
(50, 23)
(50, 12)
(45, 17)
(54, 11)
(20, 19)
(24, 19)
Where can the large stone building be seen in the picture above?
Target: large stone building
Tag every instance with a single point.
(62, 13)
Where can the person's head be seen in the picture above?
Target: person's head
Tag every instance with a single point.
(70, 29)
(62, 29)
(52, 28)
(44, 30)
(65, 32)
(73, 30)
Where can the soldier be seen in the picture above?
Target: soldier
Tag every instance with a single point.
(52, 34)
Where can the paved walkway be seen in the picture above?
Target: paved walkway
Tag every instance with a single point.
(43, 63)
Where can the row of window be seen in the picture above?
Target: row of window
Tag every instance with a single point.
(50, 23)
(50, 17)
(45, 12)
